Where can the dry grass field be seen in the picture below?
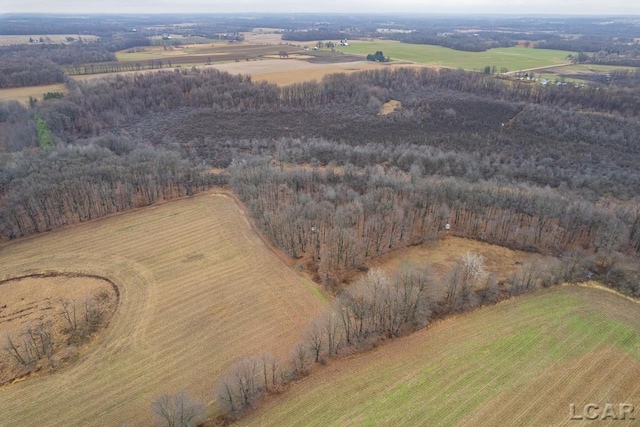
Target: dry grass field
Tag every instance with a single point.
(441, 254)
(201, 53)
(277, 71)
(198, 290)
(285, 72)
(22, 94)
(264, 36)
(520, 362)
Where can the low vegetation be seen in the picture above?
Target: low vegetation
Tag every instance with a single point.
(378, 57)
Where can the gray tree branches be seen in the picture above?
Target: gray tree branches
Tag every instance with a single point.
(179, 410)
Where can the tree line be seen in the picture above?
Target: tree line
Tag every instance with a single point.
(337, 220)
(376, 308)
(26, 65)
(467, 42)
(44, 190)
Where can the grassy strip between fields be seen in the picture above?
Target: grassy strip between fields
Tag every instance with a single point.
(314, 290)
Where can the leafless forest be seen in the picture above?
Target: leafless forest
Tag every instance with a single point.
(548, 169)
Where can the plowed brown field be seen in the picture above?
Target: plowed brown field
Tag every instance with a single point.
(198, 291)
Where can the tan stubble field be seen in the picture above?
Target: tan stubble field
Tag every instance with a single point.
(199, 291)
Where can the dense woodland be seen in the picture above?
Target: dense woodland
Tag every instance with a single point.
(469, 42)
(549, 169)
(343, 218)
(581, 143)
(46, 63)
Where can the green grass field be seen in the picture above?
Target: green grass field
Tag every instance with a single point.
(513, 58)
(521, 362)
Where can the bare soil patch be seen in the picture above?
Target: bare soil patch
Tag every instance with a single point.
(390, 106)
(32, 301)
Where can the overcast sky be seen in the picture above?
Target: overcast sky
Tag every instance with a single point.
(570, 7)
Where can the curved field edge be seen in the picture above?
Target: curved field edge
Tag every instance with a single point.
(522, 361)
(48, 274)
(198, 291)
(33, 300)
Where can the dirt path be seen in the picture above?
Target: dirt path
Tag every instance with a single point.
(511, 73)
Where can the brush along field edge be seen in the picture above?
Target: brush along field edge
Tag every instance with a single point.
(520, 362)
(198, 291)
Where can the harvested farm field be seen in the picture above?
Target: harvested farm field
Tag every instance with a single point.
(198, 290)
(278, 71)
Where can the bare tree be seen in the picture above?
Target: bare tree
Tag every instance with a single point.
(526, 279)
(300, 359)
(271, 372)
(574, 266)
(315, 337)
(13, 349)
(38, 340)
(92, 316)
(343, 312)
(226, 396)
(332, 331)
(179, 410)
(241, 387)
(412, 304)
(467, 275)
(488, 294)
(35, 343)
(69, 314)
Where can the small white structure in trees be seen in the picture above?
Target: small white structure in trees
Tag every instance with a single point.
(447, 227)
